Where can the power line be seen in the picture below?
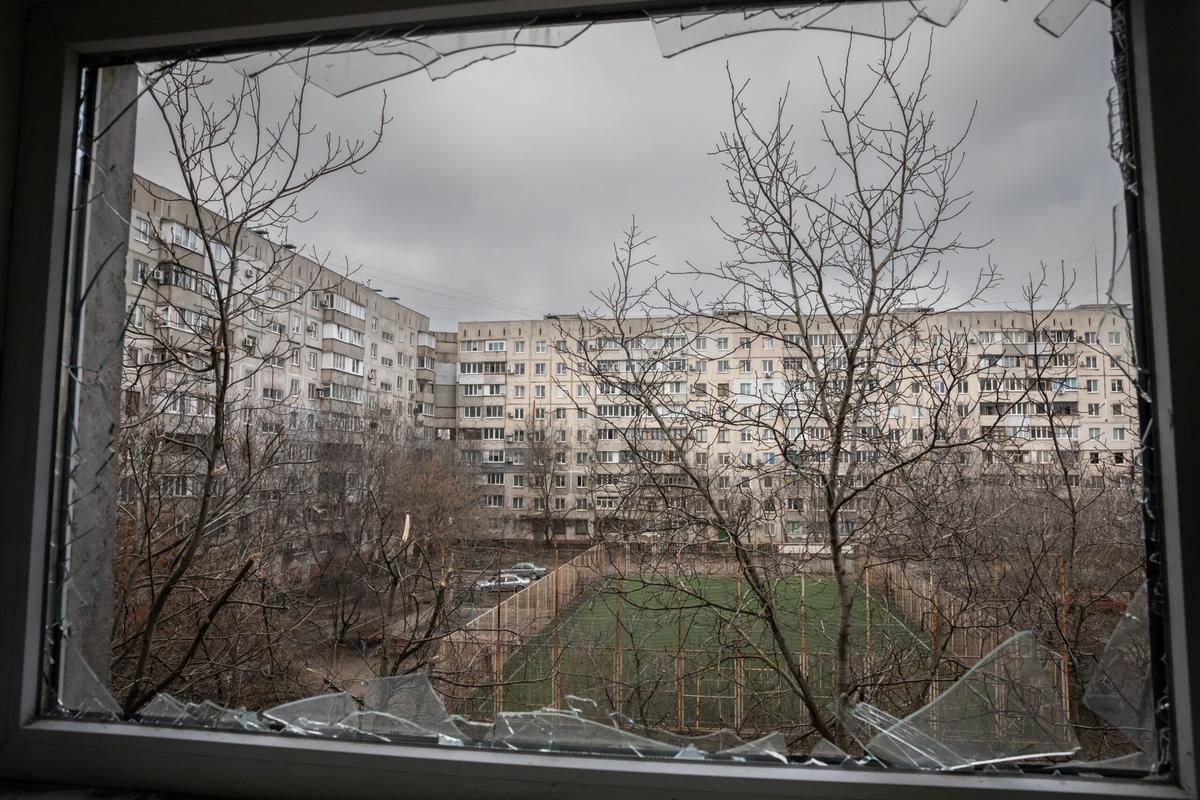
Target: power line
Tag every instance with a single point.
(450, 292)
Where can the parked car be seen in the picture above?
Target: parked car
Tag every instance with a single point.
(506, 583)
(526, 569)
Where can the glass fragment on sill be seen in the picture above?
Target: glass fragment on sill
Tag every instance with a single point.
(887, 739)
(389, 728)
(557, 731)
(723, 744)
(1058, 15)
(827, 752)
(1121, 690)
(84, 695)
(324, 709)
(166, 710)
(411, 699)
(771, 746)
(1004, 708)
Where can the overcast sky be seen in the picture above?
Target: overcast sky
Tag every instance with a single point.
(497, 192)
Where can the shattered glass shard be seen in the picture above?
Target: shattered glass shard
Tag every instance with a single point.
(390, 728)
(450, 63)
(898, 744)
(556, 731)
(723, 744)
(939, 12)
(325, 709)
(1003, 709)
(773, 746)
(412, 699)
(84, 695)
(680, 33)
(1120, 689)
(882, 19)
(828, 752)
(345, 67)
(550, 35)
(340, 74)
(166, 710)
(471, 730)
(1058, 15)
(214, 715)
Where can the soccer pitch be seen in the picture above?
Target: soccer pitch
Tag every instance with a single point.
(698, 658)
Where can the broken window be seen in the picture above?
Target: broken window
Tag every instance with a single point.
(916, 602)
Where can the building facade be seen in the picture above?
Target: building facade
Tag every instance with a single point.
(573, 423)
(308, 340)
(552, 410)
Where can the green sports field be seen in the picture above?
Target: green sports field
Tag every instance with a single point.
(698, 658)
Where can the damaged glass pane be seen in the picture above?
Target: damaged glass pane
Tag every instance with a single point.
(821, 486)
(1003, 709)
(1121, 690)
(366, 61)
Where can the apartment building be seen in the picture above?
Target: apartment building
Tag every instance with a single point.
(308, 341)
(1022, 389)
(544, 407)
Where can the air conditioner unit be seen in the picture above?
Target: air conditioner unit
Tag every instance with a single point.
(162, 275)
(508, 439)
(249, 342)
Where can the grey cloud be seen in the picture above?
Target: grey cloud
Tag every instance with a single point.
(511, 179)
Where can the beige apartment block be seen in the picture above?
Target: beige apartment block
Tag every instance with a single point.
(557, 413)
(1022, 387)
(308, 340)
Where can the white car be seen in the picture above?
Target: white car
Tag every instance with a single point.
(526, 569)
(506, 583)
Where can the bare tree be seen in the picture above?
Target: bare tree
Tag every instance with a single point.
(203, 390)
(378, 585)
(840, 277)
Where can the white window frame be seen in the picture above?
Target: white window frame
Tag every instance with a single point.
(56, 41)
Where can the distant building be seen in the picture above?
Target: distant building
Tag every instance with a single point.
(315, 348)
(310, 340)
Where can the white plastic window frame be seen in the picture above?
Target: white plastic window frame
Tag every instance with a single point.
(60, 37)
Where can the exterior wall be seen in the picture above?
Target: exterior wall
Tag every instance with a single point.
(445, 384)
(299, 328)
(516, 374)
(495, 386)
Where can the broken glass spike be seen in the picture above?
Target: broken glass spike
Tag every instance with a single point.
(1120, 689)
(166, 710)
(412, 699)
(565, 731)
(345, 67)
(84, 695)
(828, 752)
(325, 709)
(773, 746)
(1002, 709)
(1058, 15)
